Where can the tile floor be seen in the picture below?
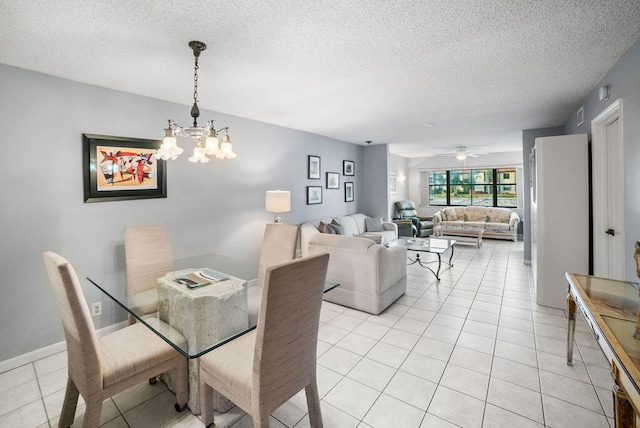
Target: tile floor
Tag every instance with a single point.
(472, 351)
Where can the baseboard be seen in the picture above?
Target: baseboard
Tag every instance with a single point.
(47, 351)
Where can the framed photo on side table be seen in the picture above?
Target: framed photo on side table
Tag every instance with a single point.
(314, 167)
(348, 191)
(314, 195)
(333, 180)
(348, 167)
(119, 168)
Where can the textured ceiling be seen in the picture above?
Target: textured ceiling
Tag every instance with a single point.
(480, 71)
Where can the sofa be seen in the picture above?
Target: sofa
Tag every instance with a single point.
(499, 223)
(371, 275)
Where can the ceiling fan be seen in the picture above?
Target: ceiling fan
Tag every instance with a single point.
(461, 153)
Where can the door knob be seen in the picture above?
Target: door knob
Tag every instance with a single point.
(610, 232)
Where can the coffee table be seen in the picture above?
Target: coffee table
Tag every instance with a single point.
(436, 246)
(463, 234)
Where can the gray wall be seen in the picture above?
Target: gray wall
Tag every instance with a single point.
(214, 207)
(624, 83)
(376, 195)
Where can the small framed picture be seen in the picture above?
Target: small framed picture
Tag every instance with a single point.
(393, 178)
(314, 167)
(348, 191)
(333, 180)
(348, 167)
(314, 195)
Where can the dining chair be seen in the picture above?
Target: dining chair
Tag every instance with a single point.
(100, 367)
(148, 257)
(279, 245)
(263, 369)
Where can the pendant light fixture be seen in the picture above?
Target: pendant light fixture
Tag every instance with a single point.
(205, 137)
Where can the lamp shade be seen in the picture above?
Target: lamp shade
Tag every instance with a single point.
(278, 201)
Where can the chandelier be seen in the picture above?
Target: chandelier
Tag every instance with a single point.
(204, 137)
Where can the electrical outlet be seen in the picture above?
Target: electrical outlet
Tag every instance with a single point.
(96, 309)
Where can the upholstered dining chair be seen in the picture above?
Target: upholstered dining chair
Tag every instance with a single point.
(263, 369)
(100, 367)
(278, 246)
(148, 257)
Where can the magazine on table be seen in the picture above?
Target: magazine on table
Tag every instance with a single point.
(201, 278)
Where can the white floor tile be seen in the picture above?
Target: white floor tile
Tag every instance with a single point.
(411, 389)
(457, 408)
(516, 399)
(560, 414)
(390, 412)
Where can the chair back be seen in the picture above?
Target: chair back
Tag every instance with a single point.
(406, 209)
(148, 256)
(82, 343)
(287, 332)
(278, 246)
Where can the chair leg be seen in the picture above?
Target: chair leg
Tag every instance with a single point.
(261, 421)
(69, 405)
(313, 403)
(92, 411)
(206, 403)
(182, 384)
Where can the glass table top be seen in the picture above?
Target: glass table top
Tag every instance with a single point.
(203, 299)
(616, 303)
(428, 245)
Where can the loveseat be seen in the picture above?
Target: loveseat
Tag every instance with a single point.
(500, 223)
(371, 275)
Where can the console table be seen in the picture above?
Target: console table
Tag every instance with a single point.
(610, 309)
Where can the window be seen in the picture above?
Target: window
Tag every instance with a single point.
(491, 187)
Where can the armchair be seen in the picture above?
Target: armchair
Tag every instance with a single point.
(421, 227)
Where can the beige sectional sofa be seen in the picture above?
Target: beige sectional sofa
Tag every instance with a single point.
(500, 223)
(371, 275)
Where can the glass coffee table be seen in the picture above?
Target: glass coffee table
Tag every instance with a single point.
(428, 245)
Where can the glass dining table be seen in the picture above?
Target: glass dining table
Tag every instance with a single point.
(201, 304)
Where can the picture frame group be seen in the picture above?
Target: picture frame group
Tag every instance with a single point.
(314, 172)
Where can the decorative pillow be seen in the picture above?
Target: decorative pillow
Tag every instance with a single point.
(373, 224)
(450, 214)
(324, 227)
(466, 217)
(336, 228)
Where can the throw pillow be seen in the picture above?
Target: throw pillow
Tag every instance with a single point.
(336, 228)
(324, 227)
(373, 224)
(450, 214)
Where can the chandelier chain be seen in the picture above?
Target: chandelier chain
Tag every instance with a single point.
(195, 81)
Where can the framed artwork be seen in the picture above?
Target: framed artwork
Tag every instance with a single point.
(348, 167)
(393, 179)
(314, 167)
(314, 195)
(119, 168)
(333, 180)
(348, 191)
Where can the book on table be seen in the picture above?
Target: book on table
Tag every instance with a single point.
(200, 278)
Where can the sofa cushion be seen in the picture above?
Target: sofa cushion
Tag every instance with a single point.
(498, 215)
(373, 224)
(324, 227)
(449, 214)
(349, 225)
(475, 214)
(474, 224)
(497, 227)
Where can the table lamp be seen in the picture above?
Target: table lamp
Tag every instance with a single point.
(278, 201)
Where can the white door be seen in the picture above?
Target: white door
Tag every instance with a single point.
(608, 193)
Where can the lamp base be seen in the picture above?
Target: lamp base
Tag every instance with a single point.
(277, 219)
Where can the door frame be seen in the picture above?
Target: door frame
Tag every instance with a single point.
(601, 154)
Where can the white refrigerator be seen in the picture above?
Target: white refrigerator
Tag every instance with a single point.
(559, 214)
